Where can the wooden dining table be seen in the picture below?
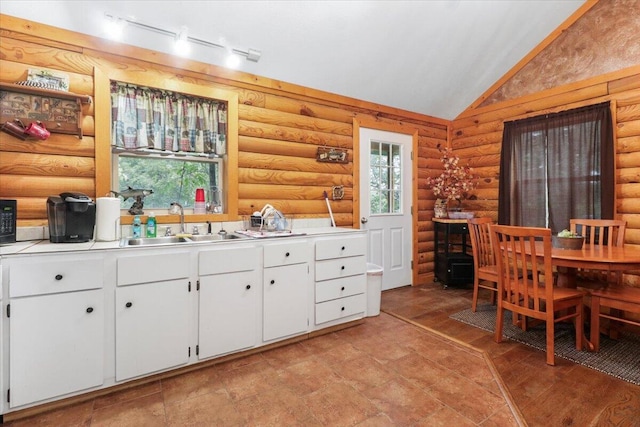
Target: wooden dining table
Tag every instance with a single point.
(592, 257)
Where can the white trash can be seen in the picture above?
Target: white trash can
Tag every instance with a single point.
(374, 289)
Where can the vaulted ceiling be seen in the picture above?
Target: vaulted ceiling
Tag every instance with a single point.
(431, 57)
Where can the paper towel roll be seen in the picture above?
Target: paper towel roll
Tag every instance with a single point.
(107, 219)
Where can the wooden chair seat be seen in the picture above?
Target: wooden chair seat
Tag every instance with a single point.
(608, 232)
(521, 290)
(485, 272)
(618, 299)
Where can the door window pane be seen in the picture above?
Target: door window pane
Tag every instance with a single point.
(385, 178)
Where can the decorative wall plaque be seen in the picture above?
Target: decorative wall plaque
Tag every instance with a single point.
(59, 111)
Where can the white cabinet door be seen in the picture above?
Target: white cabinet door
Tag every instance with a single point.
(152, 323)
(56, 345)
(285, 309)
(228, 312)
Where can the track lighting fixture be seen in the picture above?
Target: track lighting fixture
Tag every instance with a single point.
(115, 29)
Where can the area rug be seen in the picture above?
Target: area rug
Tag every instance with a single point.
(618, 358)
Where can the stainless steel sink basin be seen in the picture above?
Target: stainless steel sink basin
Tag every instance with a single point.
(153, 241)
(172, 240)
(213, 237)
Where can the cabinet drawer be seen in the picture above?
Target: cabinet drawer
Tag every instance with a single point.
(216, 261)
(339, 288)
(55, 273)
(153, 267)
(341, 247)
(286, 253)
(340, 267)
(336, 309)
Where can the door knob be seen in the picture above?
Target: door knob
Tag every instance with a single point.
(364, 220)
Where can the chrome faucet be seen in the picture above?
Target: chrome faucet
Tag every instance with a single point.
(177, 208)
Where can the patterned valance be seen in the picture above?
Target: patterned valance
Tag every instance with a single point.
(147, 118)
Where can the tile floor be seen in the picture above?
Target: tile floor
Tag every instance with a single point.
(385, 372)
(563, 395)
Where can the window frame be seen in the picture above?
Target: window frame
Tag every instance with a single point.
(103, 149)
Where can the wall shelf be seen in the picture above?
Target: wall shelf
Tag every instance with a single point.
(59, 111)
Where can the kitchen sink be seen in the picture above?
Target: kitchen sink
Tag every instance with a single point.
(172, 240)
(212, 237)
(152, 241)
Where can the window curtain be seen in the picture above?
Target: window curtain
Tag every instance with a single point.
(557, 167)
(156, 119)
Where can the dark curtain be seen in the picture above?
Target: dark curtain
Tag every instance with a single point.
(557, 167)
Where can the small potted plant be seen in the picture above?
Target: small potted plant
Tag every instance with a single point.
(567, 240)
(454, 183)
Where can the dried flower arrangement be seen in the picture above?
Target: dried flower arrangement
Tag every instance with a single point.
(455, 182)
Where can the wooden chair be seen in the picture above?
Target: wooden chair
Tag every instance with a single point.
(520, 286)
(608, 232)
(485, 272)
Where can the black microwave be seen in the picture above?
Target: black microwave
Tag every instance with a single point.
(8, 214)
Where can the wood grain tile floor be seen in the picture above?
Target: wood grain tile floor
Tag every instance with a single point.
(563, 395)
(385, 372)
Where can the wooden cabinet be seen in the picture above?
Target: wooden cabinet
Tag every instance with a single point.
(228, 300)
(151, 317)
(56, 326)
(453, 264)
(340, 279)
(285, 288)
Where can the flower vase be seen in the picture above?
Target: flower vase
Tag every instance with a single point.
(440, 208)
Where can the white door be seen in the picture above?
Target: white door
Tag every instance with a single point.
(385, 202)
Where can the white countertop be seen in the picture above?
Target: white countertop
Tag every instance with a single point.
(45, 246)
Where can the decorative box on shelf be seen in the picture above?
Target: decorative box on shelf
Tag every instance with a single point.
(59, 111)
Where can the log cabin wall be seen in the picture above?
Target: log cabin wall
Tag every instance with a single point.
(477, 139)
(280, 127)
(593, 60)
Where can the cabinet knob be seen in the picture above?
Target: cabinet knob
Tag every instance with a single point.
(343, 248)
(128, 305)
(272, 282)
(248, 286)
(342, 288)
(89, 309)
(287, 254)
(342, 309)
(58, 276)
(342, 268)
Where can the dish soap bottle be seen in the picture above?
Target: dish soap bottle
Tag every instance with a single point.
(137, 226)
(151, 225)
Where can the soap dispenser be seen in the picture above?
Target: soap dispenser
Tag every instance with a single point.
(137, 226)
(151, 225)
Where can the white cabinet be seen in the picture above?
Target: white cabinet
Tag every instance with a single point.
(228, 300)
(285, 289)
(340, 279)
(56, 339)
(151, 318)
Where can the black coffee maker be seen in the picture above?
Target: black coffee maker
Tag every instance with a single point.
(72, 218)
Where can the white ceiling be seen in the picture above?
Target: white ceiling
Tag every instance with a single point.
(431, 57)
